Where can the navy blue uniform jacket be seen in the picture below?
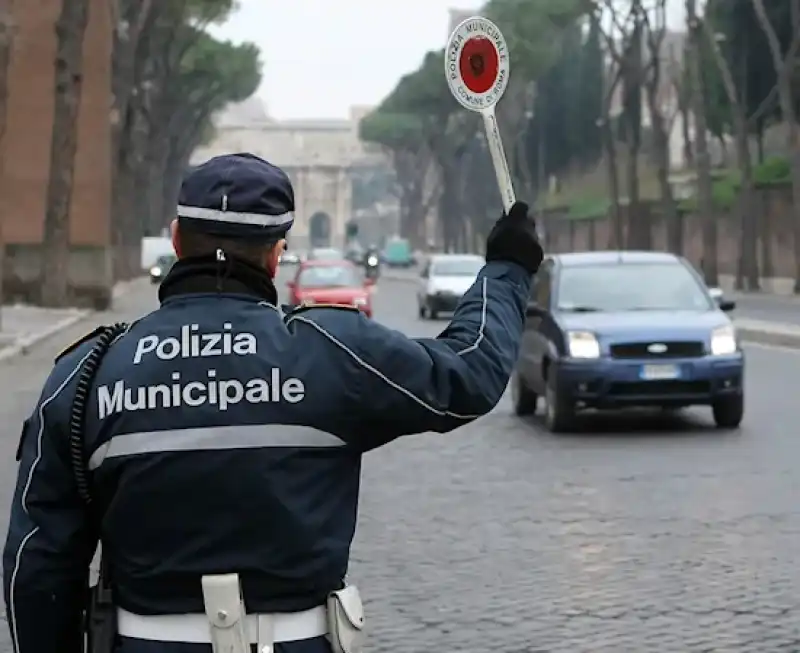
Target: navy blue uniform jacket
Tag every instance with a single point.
(225, 436)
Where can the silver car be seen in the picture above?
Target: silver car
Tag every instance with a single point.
(444, 280)
(326, 254)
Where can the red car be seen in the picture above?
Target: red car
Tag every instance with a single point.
(331, 282)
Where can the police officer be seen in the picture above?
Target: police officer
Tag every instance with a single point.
(224, 437)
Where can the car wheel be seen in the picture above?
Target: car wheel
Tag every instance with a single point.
(728, 412)
(522, 397)
(559, 411)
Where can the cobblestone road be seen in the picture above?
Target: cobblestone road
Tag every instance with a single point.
(643, 534)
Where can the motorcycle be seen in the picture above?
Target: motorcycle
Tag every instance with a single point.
(372, 267)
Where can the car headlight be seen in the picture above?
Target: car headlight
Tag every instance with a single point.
(583, 344)
(155, 271)
(360, 301)
(723, 341)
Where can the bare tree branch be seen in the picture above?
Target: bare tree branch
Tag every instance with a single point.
(763, 108)
(621, 27)
(783, 67)
(722, 65)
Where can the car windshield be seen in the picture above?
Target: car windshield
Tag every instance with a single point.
(326, 254)
(456, 268)
(631, 287)
(328, 276)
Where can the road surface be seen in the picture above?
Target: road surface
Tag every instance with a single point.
(641, 534)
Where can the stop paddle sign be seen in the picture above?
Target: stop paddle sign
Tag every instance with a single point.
(477, 69)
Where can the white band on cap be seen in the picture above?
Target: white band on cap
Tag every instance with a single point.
(256, 219)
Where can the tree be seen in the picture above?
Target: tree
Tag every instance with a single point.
(746, 52)
(447, 130)
(748, 266)
(540, 34)
(702, 158)
(70, 31)
(784, 66)
(134, 23)
(741, 88)
(624, 41)
(371, 185)
(212, 74)
(6, 45)
(661, 121)
(401, 135)
(163, 75)
(611, 79)
(479, 192)
(534, 33)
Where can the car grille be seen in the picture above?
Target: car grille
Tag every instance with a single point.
(674, 349)
(659, 388)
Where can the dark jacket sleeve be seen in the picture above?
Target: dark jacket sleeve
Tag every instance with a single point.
(400, 385)
(49, 545)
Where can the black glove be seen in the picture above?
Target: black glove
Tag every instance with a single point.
(513, 238)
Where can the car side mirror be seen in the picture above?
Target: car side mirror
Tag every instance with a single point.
(719, 298)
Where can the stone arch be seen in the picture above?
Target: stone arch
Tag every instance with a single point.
(319, 229)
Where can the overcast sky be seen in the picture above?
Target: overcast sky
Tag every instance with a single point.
(320, 57)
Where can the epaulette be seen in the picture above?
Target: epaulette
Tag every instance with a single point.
(306, 305)
(85, 338)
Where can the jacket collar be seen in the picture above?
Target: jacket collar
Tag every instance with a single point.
(205, 274)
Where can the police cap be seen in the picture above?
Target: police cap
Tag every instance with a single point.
(237, 196)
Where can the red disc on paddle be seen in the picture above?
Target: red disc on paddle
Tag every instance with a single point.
(479, 64)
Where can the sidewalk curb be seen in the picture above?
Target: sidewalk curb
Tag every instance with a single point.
(764, 337)
(23, 345)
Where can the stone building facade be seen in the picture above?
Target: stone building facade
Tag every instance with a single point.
(318, 155)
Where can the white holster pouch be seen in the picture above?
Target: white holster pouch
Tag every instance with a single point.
(346, 620)
(222, 596)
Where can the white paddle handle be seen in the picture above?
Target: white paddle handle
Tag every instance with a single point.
(499, 160)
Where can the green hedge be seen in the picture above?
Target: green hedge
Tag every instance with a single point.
(774, 171)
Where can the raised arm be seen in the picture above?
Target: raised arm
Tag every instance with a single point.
(400, 385)
(438, 384)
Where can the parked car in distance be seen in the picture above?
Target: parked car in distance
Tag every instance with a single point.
(331, 282)
(290, 258)
(162, 266)
(325, 254)
(612, 330)
(397, 253)
(444, 280)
